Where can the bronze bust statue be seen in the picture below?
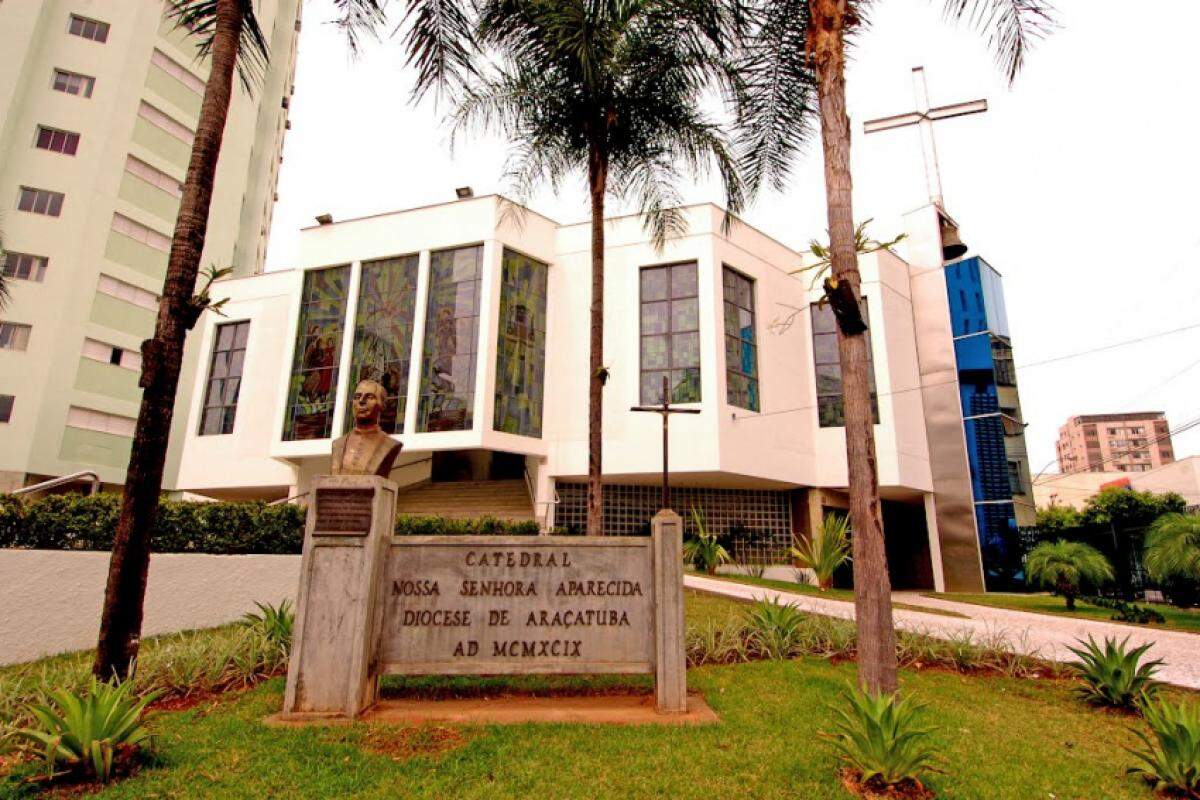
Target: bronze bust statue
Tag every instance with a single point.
(366, 450)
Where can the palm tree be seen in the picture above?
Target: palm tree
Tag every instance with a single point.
(229, 34)
(793, 67)
(608, 88)
(1065, 567)
(826, 549)
(1173, 548)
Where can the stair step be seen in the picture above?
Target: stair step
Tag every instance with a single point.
(502, 499)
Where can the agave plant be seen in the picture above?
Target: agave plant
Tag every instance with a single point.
(878, 736)
(775, 628)
(1112, 675)
(827, 549)
(704, 551)
(88, 734)
(275, 623)
(1171, 760)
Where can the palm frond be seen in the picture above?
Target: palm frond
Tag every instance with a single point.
(199, 19)
(1012, 27)
(439, 40)
(358, 18)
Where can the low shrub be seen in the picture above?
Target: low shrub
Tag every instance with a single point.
(880, 739)
(704, 550)
(775, 628)
(174, 666)
(275, 623)
(1170, 761)
(1112, 675)
(445, 526)
(738, 639)
(1126, 612)
(91, 734)
(74, 522)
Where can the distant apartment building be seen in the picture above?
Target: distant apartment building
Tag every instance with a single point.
(1138, 441)
(99, 103)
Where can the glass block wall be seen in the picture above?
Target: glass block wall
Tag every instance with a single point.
(521, 346)
(312, 389)
(755, 524)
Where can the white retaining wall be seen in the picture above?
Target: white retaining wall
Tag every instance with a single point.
(50, 600)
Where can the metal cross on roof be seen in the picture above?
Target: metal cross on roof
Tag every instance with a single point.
(924, 117)
(666, 410)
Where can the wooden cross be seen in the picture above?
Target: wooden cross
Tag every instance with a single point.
(666, 410)
(925, 116)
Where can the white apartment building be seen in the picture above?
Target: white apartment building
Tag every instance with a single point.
(473, 314)
(99, 102)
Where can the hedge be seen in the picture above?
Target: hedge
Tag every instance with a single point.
(74, 522)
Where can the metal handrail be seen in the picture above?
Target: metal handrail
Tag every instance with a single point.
(65, 479)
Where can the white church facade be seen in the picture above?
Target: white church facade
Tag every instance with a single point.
(474, 316)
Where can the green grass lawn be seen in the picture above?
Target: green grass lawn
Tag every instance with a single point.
(1000, 738)
(842, 595)
(1187, 620)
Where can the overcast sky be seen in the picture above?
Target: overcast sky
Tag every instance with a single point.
(1081, 185)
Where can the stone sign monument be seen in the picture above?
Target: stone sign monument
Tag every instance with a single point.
(373, 603)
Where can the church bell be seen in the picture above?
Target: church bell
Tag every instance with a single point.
(952, 245)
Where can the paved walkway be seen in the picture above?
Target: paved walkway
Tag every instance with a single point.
(1033, 634)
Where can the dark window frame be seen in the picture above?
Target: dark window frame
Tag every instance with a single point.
(72, 83)
(754, 395)
(34, 267)
(7, 402)
(652, 394)
(830, 406)
(94, 30)
(224, 411)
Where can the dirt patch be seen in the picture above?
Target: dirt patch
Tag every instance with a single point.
(424, 741)
(211, 698)
(907, 789)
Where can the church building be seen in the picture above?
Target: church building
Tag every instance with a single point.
(474, 317)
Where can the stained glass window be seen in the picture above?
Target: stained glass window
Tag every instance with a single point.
(312, 390)
(741, 346)
(521, 346)
(383, 331)
(451, 332)
(670, 333)
(830, 408)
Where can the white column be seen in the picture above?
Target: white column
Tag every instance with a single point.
(344, 366)
(420, 307)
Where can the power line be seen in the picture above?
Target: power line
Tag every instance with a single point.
(1113, 346)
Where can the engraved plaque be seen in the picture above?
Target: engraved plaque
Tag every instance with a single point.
(491, 605)
(345, 512)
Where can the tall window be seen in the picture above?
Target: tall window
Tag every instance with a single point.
(383, 331)
(741, 348)
(24, 266)
(14, 336)
(92, 29)
(312, 390)
(57, 141)
(40, 201)
(6, 407)
(451, 333)
(830, 408)
(670, 333)
(521, 346)
(73, 83)
(224, 378)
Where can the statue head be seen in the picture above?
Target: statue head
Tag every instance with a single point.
(368, 400)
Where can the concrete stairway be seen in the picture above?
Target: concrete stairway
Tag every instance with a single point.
(467, 500)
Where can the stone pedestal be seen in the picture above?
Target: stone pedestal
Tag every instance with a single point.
(670, 659)
(338, 615)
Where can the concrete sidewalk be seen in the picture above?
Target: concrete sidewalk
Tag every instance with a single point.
(1033, 634)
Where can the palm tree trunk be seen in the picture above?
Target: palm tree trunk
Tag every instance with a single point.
(121, 622)
(872, 588)
(597, 184)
